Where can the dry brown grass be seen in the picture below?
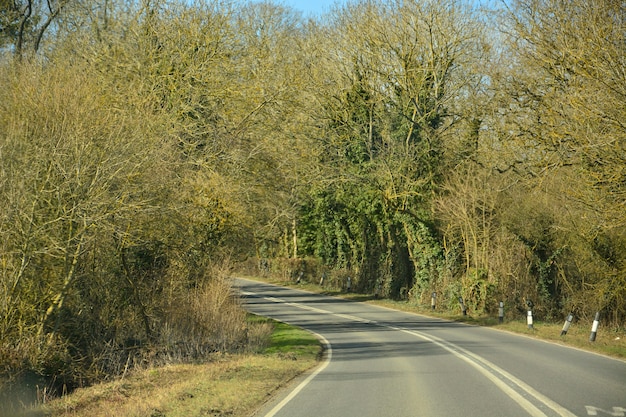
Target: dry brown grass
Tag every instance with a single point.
(226, 385)
(231, 385)
(611, 342)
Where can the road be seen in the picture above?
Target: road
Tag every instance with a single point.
(381, 362)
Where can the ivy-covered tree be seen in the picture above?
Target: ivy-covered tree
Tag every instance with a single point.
(388, 118)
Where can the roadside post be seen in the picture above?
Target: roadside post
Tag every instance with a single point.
(349, 284)
(501, 312)
(463, 308)
(594, 327)
(529, 317)
(433, 297)
(568, 322)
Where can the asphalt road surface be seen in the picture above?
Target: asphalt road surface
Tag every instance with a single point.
(381, 362)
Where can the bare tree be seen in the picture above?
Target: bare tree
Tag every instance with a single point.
(23, 23)
(564, 117)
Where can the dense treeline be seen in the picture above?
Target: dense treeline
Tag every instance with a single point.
(416, 146)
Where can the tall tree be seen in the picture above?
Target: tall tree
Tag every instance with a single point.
(390, 110)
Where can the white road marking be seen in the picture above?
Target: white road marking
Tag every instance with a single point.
(489, 369)
(296, 391)
(327, 357)
(616, 412)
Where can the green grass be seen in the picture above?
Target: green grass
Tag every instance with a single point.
(291, 340)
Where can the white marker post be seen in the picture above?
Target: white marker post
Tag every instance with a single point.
(529, 317)
(433, 297)
(594, 328)
(568, 322)
(501, 312)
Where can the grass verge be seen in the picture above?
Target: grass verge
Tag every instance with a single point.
(610, 342)
(229, 385)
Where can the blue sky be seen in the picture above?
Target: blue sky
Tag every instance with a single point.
(310, 7)
(318, 7)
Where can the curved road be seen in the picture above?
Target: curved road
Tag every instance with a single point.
(383, 362)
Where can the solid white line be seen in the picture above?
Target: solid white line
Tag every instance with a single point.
(514, 395)
(327, 356)
(296, 391)
(559, 409)
(483, 366)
